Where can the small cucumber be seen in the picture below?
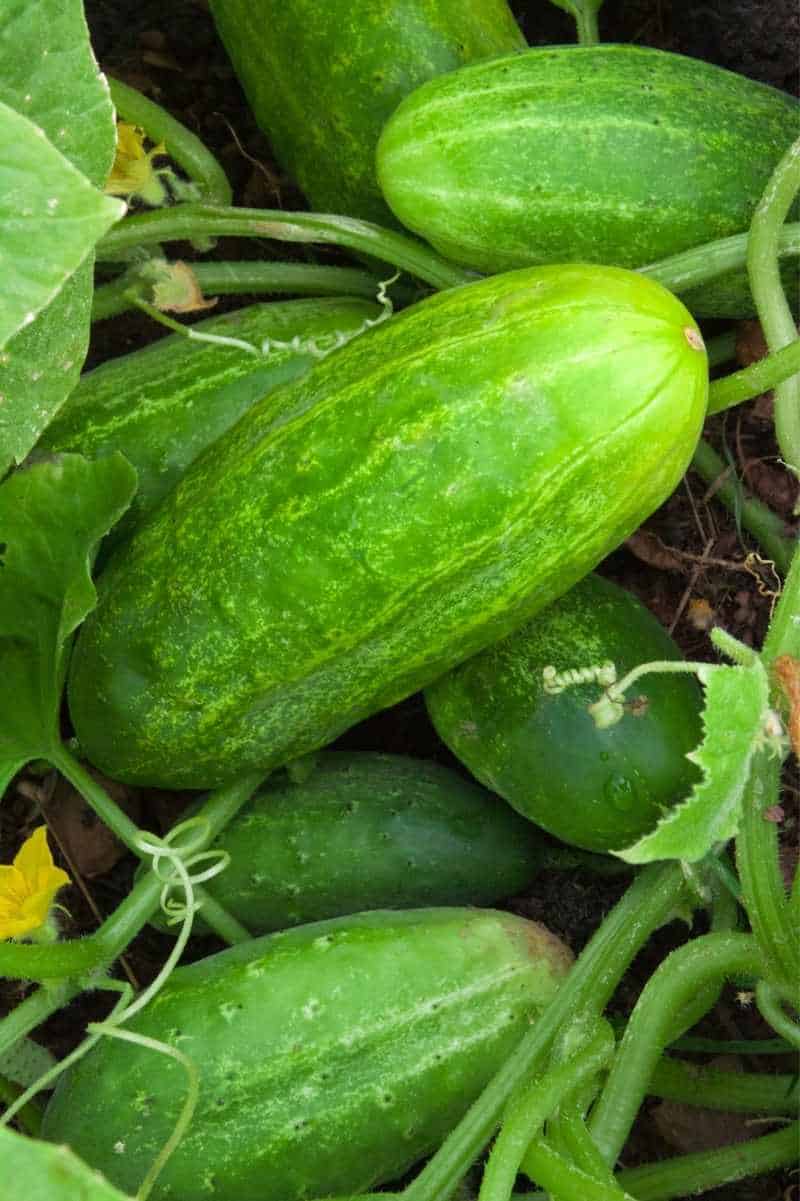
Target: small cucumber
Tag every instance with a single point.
(422, 492)
(597, 789)
(370, 831)
(331, 1057)
(612, 154)
(163, 405)
(322, 78)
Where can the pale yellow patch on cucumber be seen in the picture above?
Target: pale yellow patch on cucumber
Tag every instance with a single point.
(694, 338)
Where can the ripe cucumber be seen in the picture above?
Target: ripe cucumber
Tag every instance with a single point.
(162, 406)
(598, 789)
(613, 154)
(424, 491)
(370, 831)
(331, 1057)
(321, 78)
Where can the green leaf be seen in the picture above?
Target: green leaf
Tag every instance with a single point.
(48, 74)
(736, 708)
(52, 517)
(44, 1172)
(50, 219)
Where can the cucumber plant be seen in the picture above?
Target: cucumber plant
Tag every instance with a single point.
(544, 1066)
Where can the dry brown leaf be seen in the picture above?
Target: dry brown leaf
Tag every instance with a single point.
(90, 845)
(652, 551)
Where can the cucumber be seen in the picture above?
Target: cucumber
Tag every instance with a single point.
(370, 831)
(162, 406)
(330, 1057)
(613, 154)
(425, 490)
(322, 78)
(597, 789)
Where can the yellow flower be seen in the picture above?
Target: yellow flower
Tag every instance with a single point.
(28, 886)
(133, 173)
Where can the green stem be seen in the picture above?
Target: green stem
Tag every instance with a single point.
(107, 810)
(182, 145)
(686, 270)
(190, 221)
(770, 1006)
(564, 1180)
(223, 923)
(732, 1046)
(651, 900)
(735, 1092)
(530, 1109)
(773, 309)
(682, 974)
(586, 22)
(224, 279)
(783, 635)
(753, 380)
(76, 957)
(757, 860)
(576, 1143)
(687, 1175)
(766, 527)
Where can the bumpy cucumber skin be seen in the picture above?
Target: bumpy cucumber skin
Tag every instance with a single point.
(322, 78)
(614, 154)
(425, 490)
(370, 831)
(597, 789)
(163, 405)
(331, 1057)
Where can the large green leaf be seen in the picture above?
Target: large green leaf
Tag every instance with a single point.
(50, 219)
(43, 1172)
(48, 74)
(52, 517)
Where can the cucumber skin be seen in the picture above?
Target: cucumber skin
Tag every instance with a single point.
(596, 789)
(439, 480)
(370, 831)
(164, 405)
(331, 1057)
(613, 153)
(356, 59)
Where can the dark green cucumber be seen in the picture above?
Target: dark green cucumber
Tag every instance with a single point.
(598, 789)
(331, 1057)
(424, 491)
(370, 831)
(162, 406)
(613, 154)
(322, 78)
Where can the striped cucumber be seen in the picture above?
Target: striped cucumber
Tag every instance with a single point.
(163, 405)
(322, 78)
(612, 154)
(330, 1057)
(424, 491)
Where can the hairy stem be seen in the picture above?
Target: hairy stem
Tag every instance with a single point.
(753, 380)
(765, 284)
(691, 968)
(686, 270)
(182, 145)
(190, 221)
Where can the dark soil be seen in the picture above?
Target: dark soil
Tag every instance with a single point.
(689, 562)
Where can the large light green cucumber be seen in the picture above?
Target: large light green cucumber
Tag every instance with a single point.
(163, 405)
(370, 831)
(423, 492)
(330, 1057)
(322, 78)
(598, 789)
(612, 154)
